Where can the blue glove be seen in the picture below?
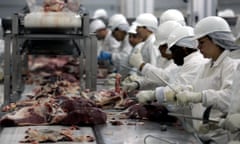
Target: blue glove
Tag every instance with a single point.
(105, 56)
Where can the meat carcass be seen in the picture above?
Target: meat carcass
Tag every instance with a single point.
(153, 112)
(56, 110)
(47, 135)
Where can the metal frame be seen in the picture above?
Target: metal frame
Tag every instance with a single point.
(15, 59)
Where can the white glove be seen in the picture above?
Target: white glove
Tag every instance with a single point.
(231, 123)
(129, 87)
(146, 96)
(136, 59)
(111, 76)
(169, 94)
(186, 97)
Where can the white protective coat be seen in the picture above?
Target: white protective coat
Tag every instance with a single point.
(121, 57)
(149, 51)
(162, 62)
(215, 82)
(109, 43)
(184, 74)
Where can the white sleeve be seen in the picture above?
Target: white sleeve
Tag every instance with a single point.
(153, 73)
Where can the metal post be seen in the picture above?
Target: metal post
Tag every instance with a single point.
(91, 62)
(15, 58)
(7, 68)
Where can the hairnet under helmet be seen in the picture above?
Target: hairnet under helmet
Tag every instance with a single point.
(182, 36)
(172, 14)
(148, 20)
(96, 25)
(225, 40)
(209, 25)
(118, 21)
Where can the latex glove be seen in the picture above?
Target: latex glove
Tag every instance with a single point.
(170, 94)
(145, 97)
(186, 97)
(105, 56)
(129, 87)
(231, 123)
(111, 76)
(136, 59)
(205, 128)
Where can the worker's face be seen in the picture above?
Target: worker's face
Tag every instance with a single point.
(118, 34)
(134, 39)
(178, 54)
(101, 34)
(142, 32)
(163, 50)
(208, 48)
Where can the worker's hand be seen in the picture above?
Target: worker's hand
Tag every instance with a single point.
(169, 94)
(129, 87)
(136, 59)
(205, 128)
(104, 55)
(231, 123)
(186, 97)
(179, 88)
(111, 76)
(145, 97)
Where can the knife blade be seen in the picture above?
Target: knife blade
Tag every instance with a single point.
(191, 117)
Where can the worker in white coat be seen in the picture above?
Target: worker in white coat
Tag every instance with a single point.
(134, 39)
(172, 14)
(185, 54)
(232, 122)
(166, 65)
(104, 35)
(213, 84)
(146, 27)
(119, 26)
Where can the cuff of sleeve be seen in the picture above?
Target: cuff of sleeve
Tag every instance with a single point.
(138, 85)
(159, 94)
(145, 68)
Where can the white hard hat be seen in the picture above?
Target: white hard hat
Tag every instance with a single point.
(133, 28)
(226, 13)
(209, 25)
(164, 31)
(181, 33)
(100, 13)
(117, 20)
(172, 14)
(96, 25)
(148, 20)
